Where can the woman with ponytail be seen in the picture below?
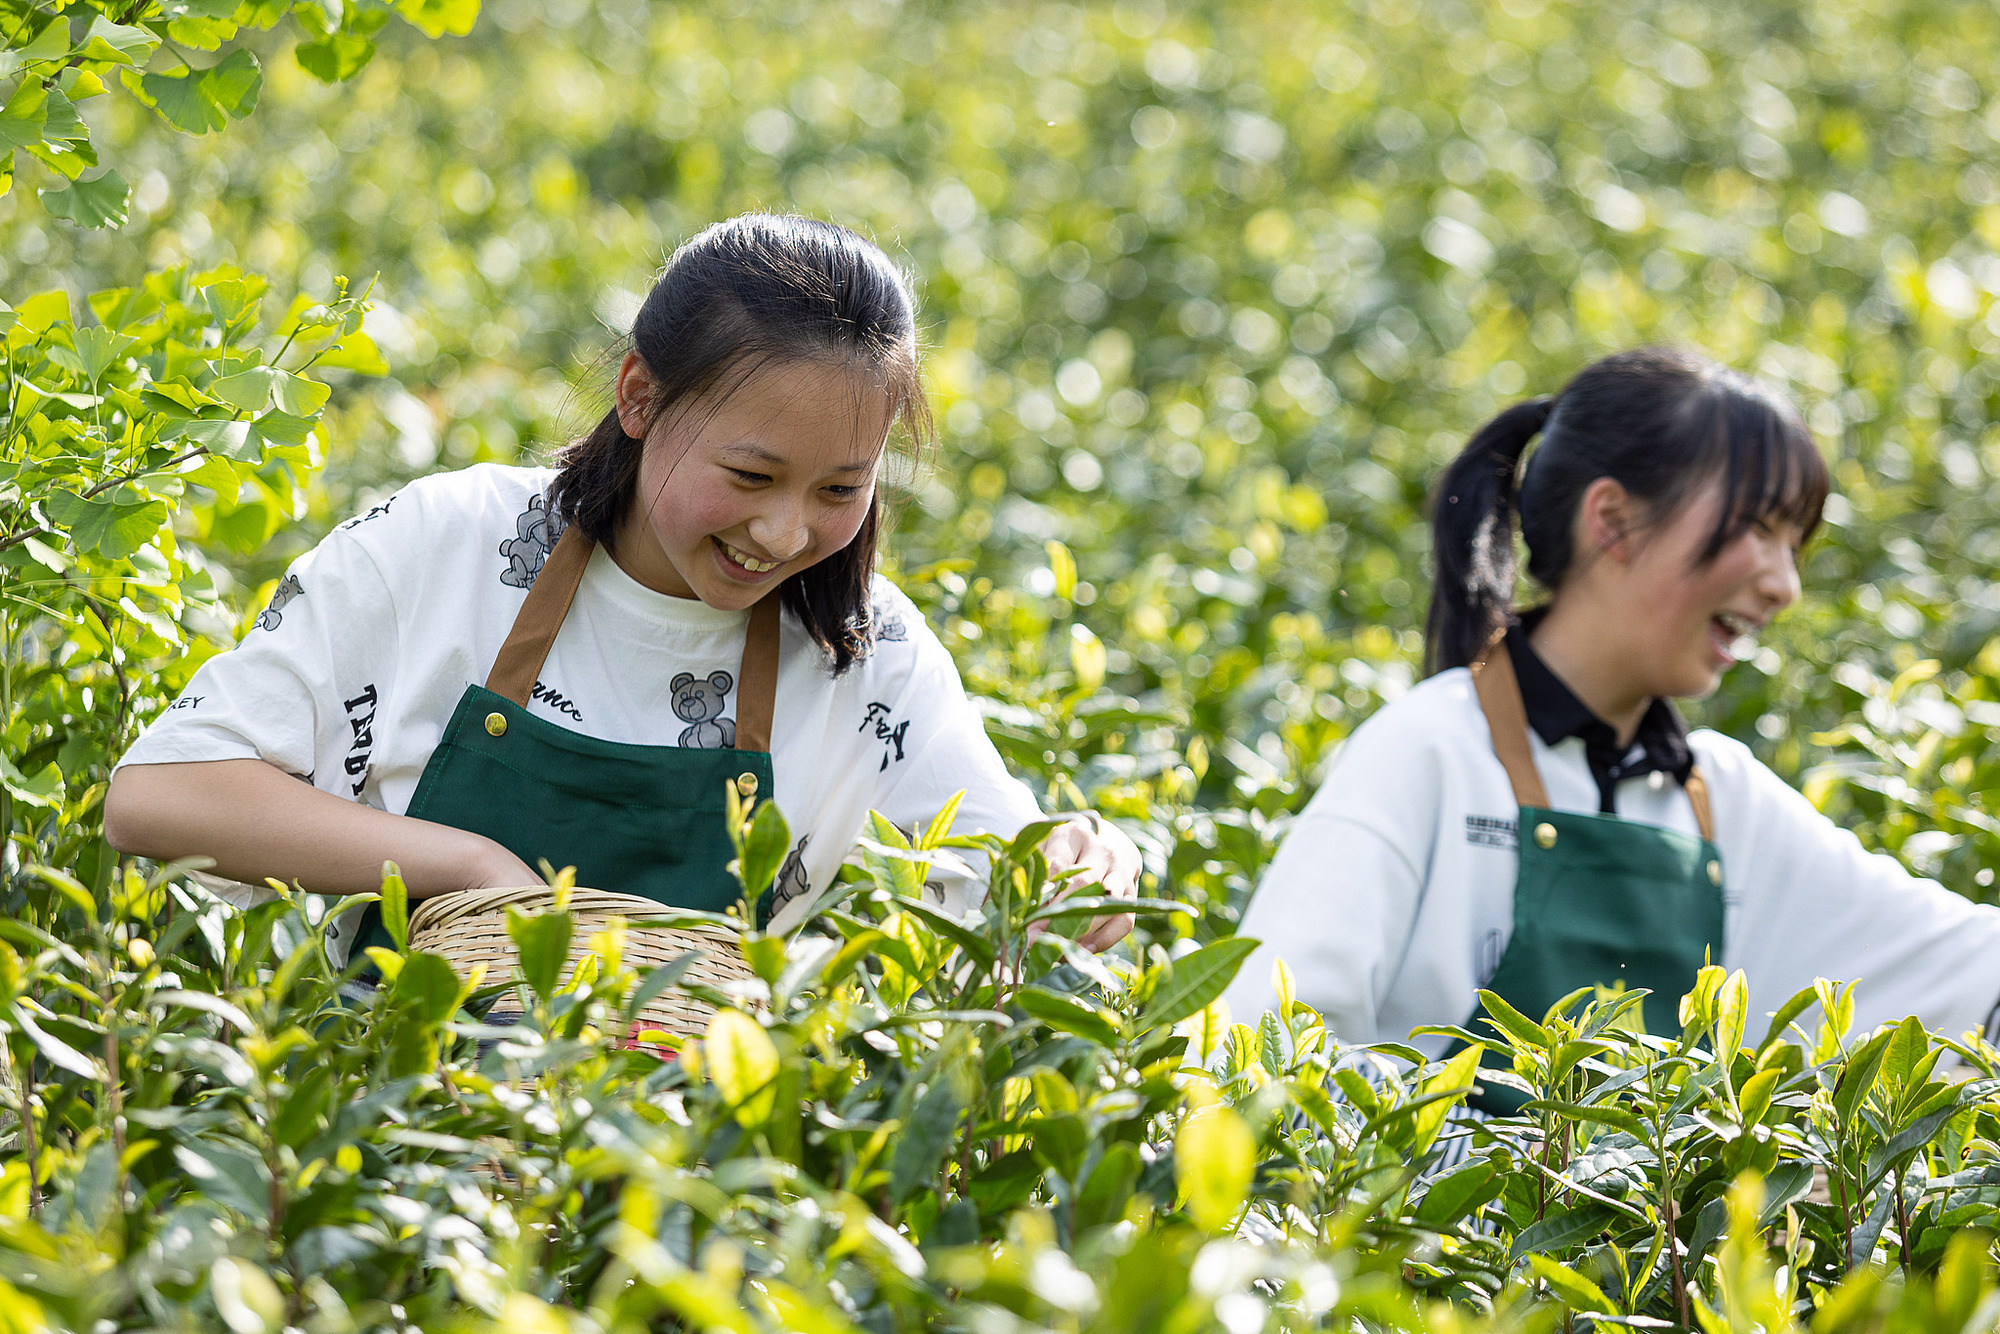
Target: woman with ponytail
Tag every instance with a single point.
(687, 602)
(1534, 817)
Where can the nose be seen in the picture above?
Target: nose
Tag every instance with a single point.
(1778, 581)
(782, 529)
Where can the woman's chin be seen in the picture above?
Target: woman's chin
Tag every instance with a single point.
(1699, 684)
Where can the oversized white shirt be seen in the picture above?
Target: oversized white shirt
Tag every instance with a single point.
(1392, 896)
(349, 676)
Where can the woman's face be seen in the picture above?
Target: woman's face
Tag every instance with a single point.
(734, 497)
(1683, 618)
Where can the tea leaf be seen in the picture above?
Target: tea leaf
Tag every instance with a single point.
(543, 941)
(1575, 1291)
(743, 1062)
(1196, 980)
(1214, 1160)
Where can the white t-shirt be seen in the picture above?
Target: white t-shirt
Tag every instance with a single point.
(1392, 896)
(350, 675)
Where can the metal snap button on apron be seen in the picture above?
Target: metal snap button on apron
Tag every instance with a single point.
(1714, 871)
(1545, 834)
(496, 724)
(746, 785)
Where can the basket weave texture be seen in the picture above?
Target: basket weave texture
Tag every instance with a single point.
(470, 928)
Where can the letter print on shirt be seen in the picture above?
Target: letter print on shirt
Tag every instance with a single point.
(535, 534)
(281, 597)
(699, 704)
(888, 732)
(1490, 831)
(360, 717)
(374, 513)
(556, 700)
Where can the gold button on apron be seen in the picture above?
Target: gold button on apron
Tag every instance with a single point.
(496, 724)
(1714, 871)
(1545, 834)
(746, 785)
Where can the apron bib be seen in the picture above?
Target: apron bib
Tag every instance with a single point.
(1597, 900)
(645, 820)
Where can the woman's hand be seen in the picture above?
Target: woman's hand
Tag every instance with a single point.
(1109, 865)
(497, 868)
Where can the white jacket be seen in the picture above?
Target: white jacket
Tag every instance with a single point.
(1392, 897)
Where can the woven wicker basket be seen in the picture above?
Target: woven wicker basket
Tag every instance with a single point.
(470, 928)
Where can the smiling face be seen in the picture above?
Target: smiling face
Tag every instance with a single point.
(1640, 615)
(1686, 619)
(735, 496)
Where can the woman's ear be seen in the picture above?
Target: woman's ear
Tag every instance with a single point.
(1609, 518)
(635, 395)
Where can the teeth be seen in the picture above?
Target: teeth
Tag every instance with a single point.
(748, 561)
(1742, 633)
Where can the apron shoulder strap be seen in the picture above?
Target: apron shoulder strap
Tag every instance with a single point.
(758, 677)
(519, 662)
(1507, 718)
(1500, 700)
(1697, 790)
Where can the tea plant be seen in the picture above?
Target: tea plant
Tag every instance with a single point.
(906, 1120)
(149, 429)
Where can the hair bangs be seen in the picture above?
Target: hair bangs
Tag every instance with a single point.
(1769, 467)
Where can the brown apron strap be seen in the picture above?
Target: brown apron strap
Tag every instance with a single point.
(1697, 790)
(519, 662)
(1500, 699)
(757, 679)
(1506, 717)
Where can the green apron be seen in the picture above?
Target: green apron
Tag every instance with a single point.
(1597, 900)
(646, 820)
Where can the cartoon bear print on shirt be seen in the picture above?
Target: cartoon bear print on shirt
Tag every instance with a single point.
(885, 626)
(535, 534)
(281, 597)
(699, 704)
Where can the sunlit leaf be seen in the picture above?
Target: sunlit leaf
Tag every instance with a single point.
(1214, 1160)
(740, 1058)
(98, 202)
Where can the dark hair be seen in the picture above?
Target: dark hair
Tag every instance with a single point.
(746, 294)
(1662, 423)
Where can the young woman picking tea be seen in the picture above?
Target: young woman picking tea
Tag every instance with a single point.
(1535, 817)
(688, 600)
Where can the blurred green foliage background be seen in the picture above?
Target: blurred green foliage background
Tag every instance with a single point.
(1211, 292)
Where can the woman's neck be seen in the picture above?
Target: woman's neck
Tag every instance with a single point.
(638, 554)
(1572, 643)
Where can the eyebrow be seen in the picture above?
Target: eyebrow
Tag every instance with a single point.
(763, 455)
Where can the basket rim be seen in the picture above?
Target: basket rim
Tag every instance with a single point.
(440, 911)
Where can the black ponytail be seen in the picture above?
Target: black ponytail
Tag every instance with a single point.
(1662, 423)
(1472, 534)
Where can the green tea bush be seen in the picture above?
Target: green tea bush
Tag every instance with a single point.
(908, 1121)
(1212, 291)
(151, 427)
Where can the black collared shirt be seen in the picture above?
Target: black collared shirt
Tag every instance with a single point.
(1659, 746)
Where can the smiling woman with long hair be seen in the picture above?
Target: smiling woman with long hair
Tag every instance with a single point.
(1535, 817)
(687, 602)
